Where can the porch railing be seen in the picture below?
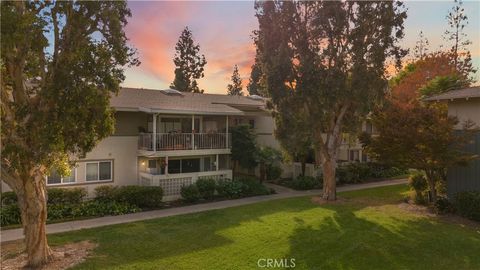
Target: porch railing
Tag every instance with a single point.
(184, 141)
(172, 184)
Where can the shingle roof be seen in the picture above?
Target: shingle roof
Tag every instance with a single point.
(472, 92)
(151, 100)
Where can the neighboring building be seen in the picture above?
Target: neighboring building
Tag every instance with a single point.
(351, 149)
(464, 104)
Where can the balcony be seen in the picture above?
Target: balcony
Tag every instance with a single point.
(183, 141)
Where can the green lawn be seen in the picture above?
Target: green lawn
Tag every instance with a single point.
(367, 230)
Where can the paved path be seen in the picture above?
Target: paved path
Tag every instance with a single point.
(282, 192)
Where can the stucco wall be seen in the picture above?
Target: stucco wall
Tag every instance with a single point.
(264, 128)
(121, 150)
(465, 110)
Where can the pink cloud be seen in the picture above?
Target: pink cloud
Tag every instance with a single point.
(154, 30)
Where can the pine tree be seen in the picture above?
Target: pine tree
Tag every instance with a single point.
(254, 86)
(457, 20)
(235, 88)
(421, 47)
(189, 64)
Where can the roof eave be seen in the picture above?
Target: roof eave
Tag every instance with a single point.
(188, 112)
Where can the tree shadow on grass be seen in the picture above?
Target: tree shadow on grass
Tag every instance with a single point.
(379, 237)
(139, 243)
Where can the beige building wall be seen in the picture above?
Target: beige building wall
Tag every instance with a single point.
(121, 150)
(465, 110)
(264, 128)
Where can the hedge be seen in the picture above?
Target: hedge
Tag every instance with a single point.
(360, 172)
(467, 204)
(10, 214)
(140, 196)
(208, 189)
(70, 203)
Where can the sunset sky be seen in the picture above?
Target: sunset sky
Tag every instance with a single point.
(223, 30)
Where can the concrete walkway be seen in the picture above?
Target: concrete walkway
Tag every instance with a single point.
(282, 192)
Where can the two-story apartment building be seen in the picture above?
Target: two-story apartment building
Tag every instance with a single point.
(168, 138)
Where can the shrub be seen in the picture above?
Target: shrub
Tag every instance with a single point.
(252, 187)
(60, 211)
(467, 204)
(304, 183)
(230, 189)
(89, 209)
(360, 172)
(105, 193)
(273, 172)
(98, 209)
(206, 188)
(9, 198)
(443, 206)
(10, 214)
(66, 195)
(418, 183)
(140, 196)
(190, 193)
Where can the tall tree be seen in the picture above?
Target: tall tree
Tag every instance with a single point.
(457, 20)
(332, 57)
(188, 64)
(55, 107)
(421, 46)
(235, 88)
(254, 86)
(244, 147)
(297, 145)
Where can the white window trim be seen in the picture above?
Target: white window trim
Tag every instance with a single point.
(98, 171)
(61, 179)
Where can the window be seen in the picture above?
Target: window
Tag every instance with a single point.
(54, 178)
(174, 166)
(99, 171)
(368, 128)
(251, 122)
(208, 164)
(190, 165)
(183, 165)
(354, 155)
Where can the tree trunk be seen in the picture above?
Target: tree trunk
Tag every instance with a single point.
(329, 181)
(33, 206)
(432, 187)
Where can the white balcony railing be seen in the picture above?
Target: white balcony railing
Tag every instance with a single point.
(184, 141)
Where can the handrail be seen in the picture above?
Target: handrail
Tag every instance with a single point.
(184, 141)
